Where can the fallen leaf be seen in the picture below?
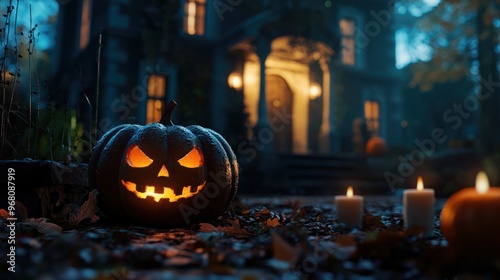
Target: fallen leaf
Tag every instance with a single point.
(4, 214)
(234, 229)
(295, 208)
(283, 250)
(21, 211)
(87, 211)
(346, 241)
(272, 223)
(206, 227)
(49, 228)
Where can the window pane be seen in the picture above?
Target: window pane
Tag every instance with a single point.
(194, 17)
(348, 43)
(368, 110)
(154, 110)
(372, 113)
(375, 110)
(347, 27)
(156, 86)
(150, 111)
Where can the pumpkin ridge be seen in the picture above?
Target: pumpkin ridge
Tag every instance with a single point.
(107, 174)
(96, 153)
(210, 142)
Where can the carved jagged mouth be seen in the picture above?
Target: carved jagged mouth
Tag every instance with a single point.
(168, 193)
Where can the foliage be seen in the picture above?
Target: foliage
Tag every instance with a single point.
(463, 40)
(30, 125)
(452, 34)
(58, 135)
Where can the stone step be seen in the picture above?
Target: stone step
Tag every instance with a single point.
(304, 174)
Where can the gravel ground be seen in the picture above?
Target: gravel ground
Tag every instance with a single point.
(282, 237)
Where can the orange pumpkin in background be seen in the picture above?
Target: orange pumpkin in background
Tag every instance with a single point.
(376, 147)
(163, 174)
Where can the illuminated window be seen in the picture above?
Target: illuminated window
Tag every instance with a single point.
(194, 19)
(85, 24)
(156, 98)
(372, 113)
(348, 43)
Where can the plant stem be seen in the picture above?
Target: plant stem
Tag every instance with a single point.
(29, 92)
(3, 72)
(16, 53)
(97, 90)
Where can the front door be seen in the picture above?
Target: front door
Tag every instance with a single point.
(280, 103)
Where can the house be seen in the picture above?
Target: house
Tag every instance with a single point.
(311, 78)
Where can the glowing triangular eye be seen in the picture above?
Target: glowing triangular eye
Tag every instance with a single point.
(192, 159)
(137, 158)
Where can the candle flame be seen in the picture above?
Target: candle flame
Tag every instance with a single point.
(482, 183)
(420, 183)
(350, 192)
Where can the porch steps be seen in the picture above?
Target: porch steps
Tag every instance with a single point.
(331, 175)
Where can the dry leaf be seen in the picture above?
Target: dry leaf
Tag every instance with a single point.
(4, 214)
(86, 211)
(206, 227)
(295, 209)
(49, 228)
(284, 251)
(346, 241)
(234, 229)
(272, 223)
(21, 211)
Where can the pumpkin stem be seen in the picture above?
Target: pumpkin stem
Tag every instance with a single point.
(165, 118)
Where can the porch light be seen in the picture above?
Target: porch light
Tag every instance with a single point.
(234, 81)
(314, 91)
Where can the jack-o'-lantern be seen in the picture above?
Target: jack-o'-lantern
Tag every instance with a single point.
(163, 174)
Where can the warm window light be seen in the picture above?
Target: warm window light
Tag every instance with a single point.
(420, 183)
(350, 192)
(348, 41)
(191, 18)
(156, 95)
(314, 91)
(194, 17)
(372, 116)
(234, 81)
(482, 183)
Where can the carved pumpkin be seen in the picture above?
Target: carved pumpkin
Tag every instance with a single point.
(163, 174)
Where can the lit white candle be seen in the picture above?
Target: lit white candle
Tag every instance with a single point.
(418, 208)
(350, 209)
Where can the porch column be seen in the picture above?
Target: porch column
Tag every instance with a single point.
(325, 128)
(263, 49)
(328, 138)
(218, 103)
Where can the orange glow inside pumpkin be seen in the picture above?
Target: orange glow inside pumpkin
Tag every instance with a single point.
(137, 158)
(193, 159)
(168, 193)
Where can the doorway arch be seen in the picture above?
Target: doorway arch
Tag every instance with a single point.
(279, 99)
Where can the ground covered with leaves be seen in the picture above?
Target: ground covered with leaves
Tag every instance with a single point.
(257, 238)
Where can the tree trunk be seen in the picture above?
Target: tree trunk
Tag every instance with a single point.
(489, 117)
